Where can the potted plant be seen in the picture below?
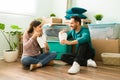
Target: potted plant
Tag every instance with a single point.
(52, 15)
(98, 17)
(11, 54)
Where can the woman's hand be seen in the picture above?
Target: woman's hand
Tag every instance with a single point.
(46, 49)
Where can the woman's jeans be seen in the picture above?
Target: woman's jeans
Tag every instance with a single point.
(43, 58)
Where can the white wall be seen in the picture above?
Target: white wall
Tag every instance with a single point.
(59, 7)
(43, 8)
(109, 8)
(47, 7)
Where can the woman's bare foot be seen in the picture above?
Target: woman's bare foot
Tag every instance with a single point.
(51, 63)
(34, 66)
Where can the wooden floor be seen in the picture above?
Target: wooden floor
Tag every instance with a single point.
(14, 71)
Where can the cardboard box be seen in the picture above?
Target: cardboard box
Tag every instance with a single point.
(105, 46)
(111, 58)
(52, 20)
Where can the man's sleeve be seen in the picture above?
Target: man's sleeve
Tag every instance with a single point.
(85, 37)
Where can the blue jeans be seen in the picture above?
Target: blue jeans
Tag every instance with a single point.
(43, 58)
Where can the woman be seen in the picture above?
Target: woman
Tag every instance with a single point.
(32, 56)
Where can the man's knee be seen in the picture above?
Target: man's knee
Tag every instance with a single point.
(63, 56)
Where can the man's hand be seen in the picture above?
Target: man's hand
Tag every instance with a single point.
(69, 42)
(65, 42)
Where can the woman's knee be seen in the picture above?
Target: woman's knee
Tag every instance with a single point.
(53, 54)
(25, 62)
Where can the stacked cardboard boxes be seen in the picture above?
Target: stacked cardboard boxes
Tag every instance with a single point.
(105, 46)
(105, 38)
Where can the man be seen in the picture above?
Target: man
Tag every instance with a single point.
(84, 53)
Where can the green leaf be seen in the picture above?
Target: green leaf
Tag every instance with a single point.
(15, 27)
(2, 26)
(15, 45)
(9, 36)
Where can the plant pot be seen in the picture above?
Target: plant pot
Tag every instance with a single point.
(98, 21)
(10, 56)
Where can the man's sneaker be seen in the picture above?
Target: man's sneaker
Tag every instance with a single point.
(91, 63)
(75, 68)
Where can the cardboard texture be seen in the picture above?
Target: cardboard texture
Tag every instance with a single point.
(105, 46)
(52, 20)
